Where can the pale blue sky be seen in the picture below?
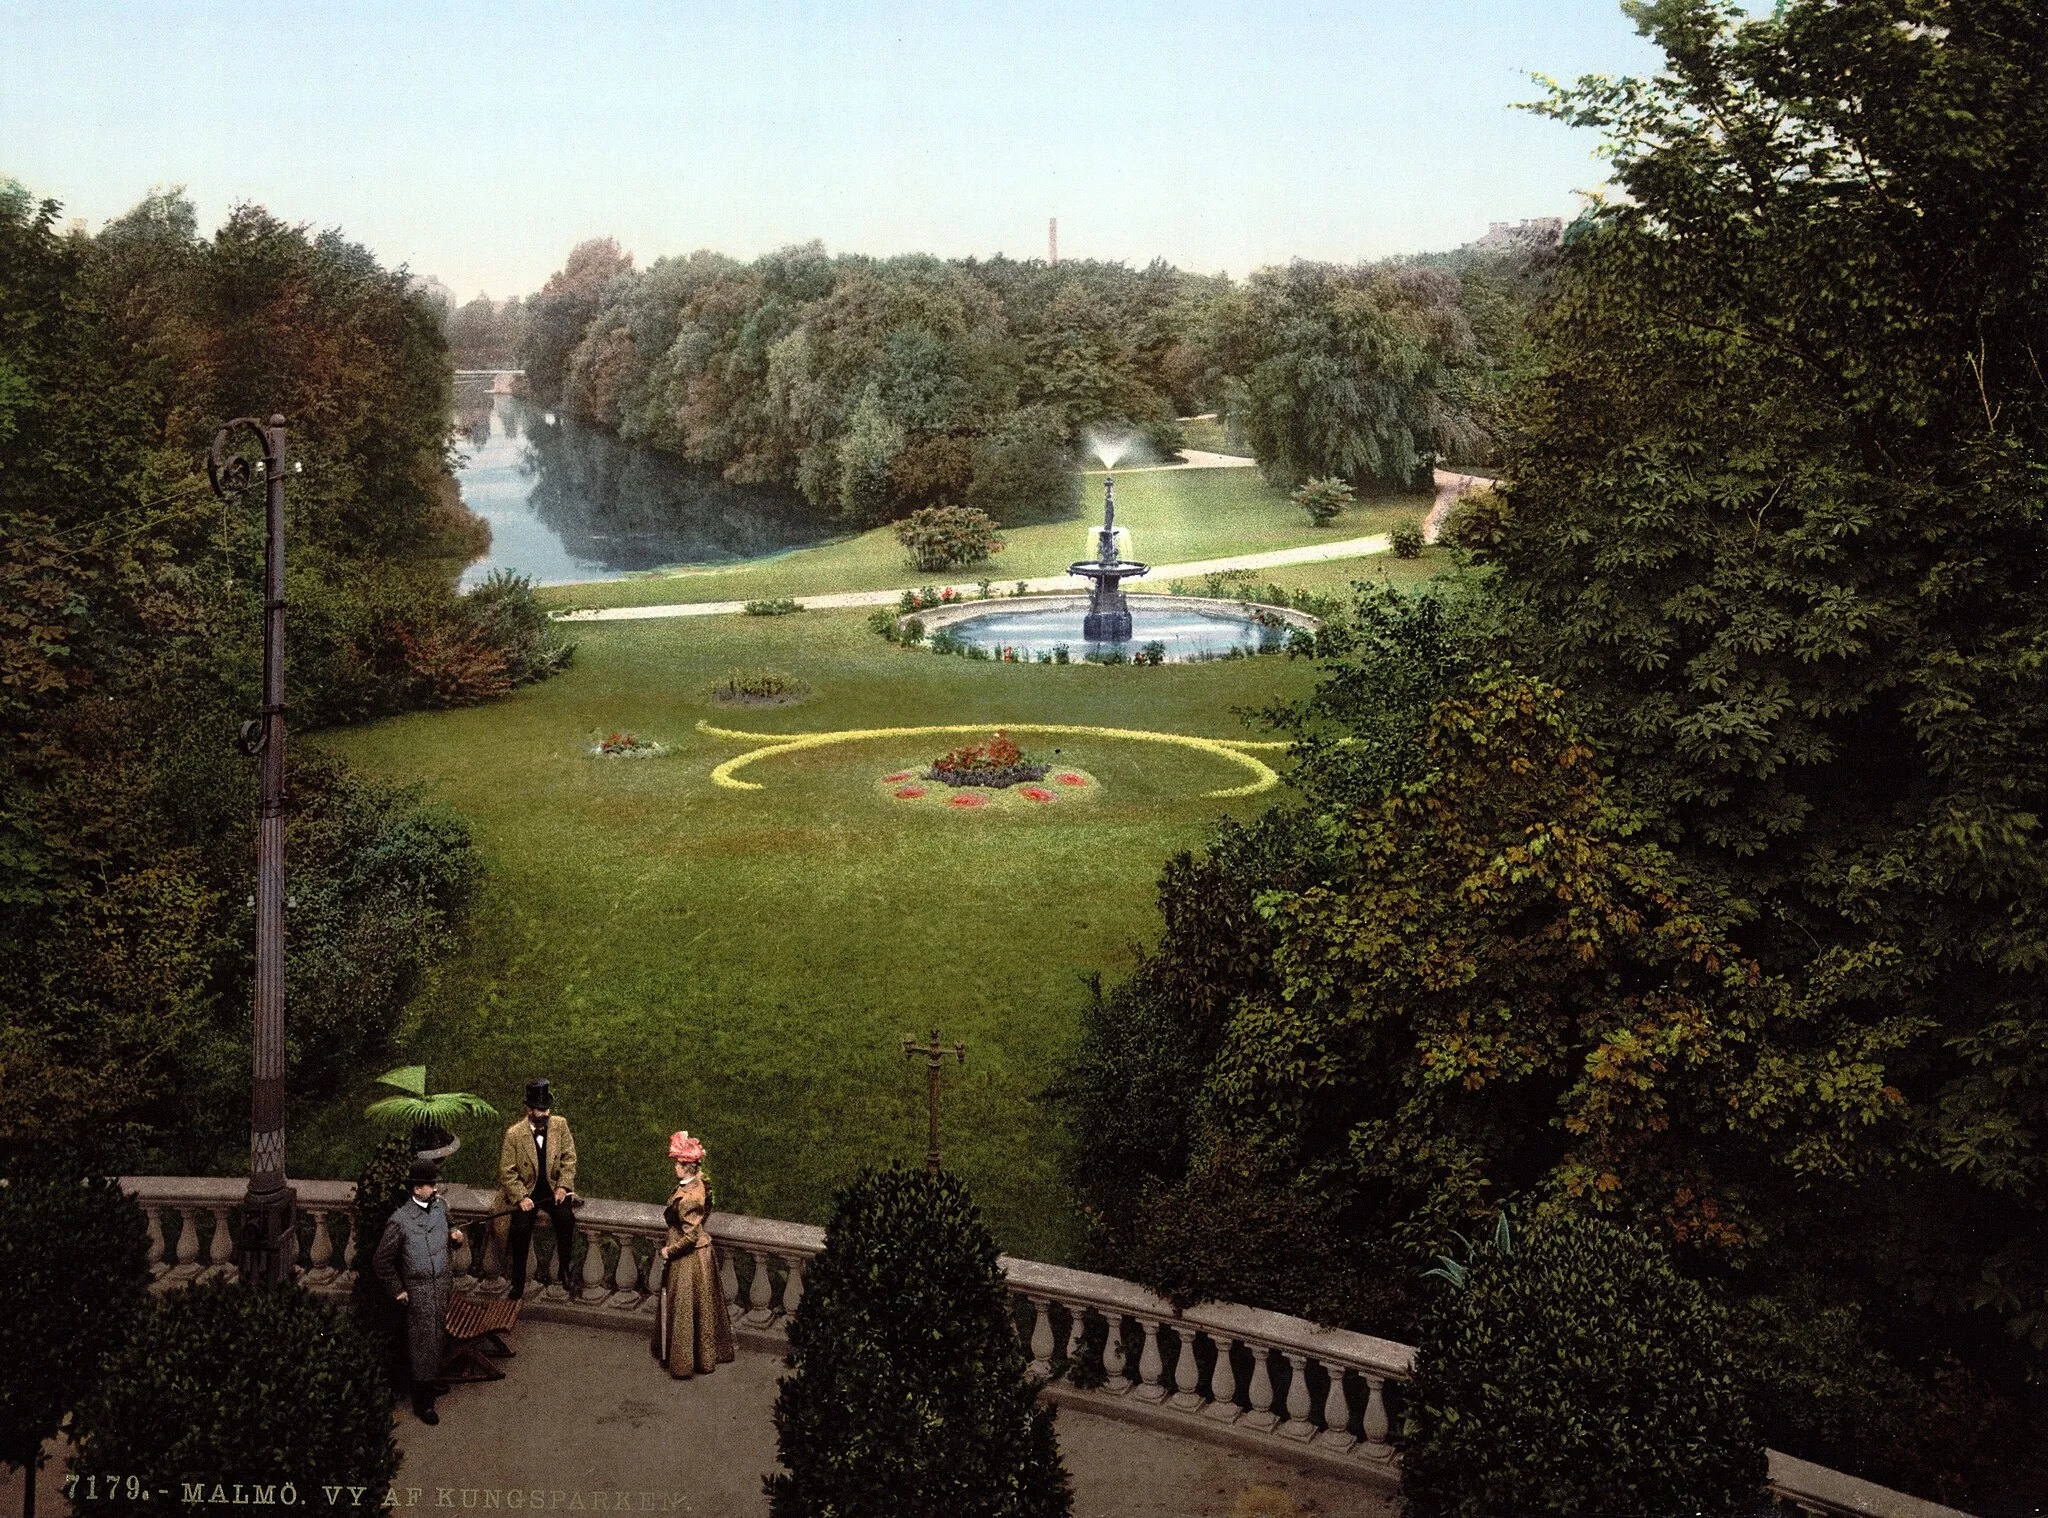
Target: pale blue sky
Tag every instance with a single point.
(477, 142)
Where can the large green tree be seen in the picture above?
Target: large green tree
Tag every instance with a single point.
(1776, 517)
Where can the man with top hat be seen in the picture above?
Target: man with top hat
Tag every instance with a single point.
(536, 1174)
(413, 1262)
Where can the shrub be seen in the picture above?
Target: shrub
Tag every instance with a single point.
(73, 1254)
(942, 537)
(779, 606)
(1406, 539)
(908, 1392)
(507, 618)
(223, 1385)
(769, 684)
(380, 1189)
(1323, 499)
(1577, 1372)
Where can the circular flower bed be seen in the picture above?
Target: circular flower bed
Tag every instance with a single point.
(1038, 799)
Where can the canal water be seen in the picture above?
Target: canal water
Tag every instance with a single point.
(568, 502)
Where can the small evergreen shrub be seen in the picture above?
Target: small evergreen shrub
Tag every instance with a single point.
(1323, 499)
(1406, 540)
(778, 606)
(943, 537)
(1577, 1372)
(224, 1384)
(908, 1392)
(74, 1256)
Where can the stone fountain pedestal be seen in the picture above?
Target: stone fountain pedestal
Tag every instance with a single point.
(1109, 614)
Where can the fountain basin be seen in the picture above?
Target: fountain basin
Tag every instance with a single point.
(1189, 628)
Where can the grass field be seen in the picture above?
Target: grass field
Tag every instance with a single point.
(743, 964)
(1175, 516)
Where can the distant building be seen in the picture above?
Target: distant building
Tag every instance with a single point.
(1536, 232)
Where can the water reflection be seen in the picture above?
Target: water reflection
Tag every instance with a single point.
(568, 503)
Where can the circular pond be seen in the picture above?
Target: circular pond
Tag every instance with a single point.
(1184, 628)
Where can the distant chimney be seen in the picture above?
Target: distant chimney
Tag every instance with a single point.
(1052, 241)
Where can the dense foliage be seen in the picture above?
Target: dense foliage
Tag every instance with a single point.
(191, 1406)
(381, 1190)
(1688, 868)
(130, 638)
(908, 1394)
(878, 387)
(74, 1255)
(1576, 1372)
(946, 537)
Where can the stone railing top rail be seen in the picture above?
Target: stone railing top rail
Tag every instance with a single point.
(1812, 1488)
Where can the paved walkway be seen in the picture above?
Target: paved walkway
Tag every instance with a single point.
(586, 1410)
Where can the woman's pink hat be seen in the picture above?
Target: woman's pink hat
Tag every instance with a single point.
(682, 1147)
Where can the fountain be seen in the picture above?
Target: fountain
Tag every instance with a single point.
(1163, 629)
(1109, 615)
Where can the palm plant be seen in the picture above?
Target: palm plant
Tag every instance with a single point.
(428, 1116)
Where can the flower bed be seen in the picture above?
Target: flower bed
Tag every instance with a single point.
(621, 745)
(902, 788)
(997, 764)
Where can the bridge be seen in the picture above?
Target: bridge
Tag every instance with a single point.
(500, 379)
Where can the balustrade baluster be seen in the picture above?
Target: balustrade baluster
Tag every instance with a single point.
(1150, 1368)
(1041, 1337)
(348, 1250)
(626, 1275)
(491, 1281)
(729, 1283)
(1376, 1445)
(793, 1289)
(320, 1253)
(1187, 1370)
(459, 1256)
(1297, 1425)
(1115, 1381)
(1261, 1416)
(220, 1249)
(593, 1289)
(760, 1294)
(156, 1239)
(1336, 1432)
(1070, 1342)
(1223, 1384)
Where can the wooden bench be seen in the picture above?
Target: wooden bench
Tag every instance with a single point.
(474, 1325)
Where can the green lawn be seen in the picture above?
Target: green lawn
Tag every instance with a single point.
(743, 964)
(1175, 516)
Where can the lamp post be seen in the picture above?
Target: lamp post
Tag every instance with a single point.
(268, 1251)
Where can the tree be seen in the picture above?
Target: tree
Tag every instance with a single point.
(1575, 1371)
(74, 1254)
(557, 316)
(1773, 513)
(188, 1407)
(908, 1392)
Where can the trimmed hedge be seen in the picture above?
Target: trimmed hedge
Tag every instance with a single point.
(1577, 1373)
(909, 1395)
(235, 1390)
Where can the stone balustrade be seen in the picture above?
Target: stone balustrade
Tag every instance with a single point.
(1221, 1373)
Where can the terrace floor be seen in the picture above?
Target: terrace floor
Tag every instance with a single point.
(585, 1415)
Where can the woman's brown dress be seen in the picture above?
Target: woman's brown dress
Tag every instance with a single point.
(699, 1332)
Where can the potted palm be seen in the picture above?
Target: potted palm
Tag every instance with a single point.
(427, 1116)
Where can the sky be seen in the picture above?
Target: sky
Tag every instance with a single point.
(478, 142)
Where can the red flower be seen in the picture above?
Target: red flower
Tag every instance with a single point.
(1068, 777)
(967, 798)
(1034, 793)
(911, 792)
(900, 775)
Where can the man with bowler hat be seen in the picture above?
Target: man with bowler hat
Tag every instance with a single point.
(537, 1173)
(412, 1261)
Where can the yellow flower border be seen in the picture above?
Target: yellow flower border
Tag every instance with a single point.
(1265, 776)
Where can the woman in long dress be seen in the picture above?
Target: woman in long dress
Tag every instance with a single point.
(693, 1335)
